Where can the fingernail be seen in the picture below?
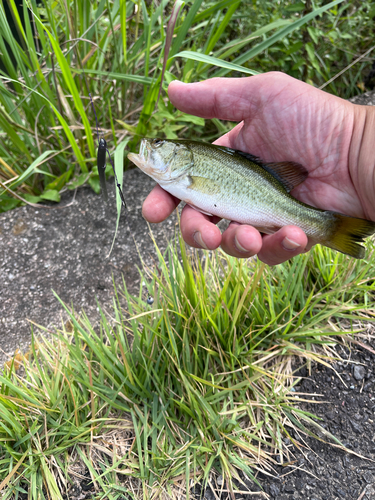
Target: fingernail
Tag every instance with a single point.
(290, 244)
(199, 240)
(239, 247)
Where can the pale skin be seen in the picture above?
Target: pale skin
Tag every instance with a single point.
(280, 119)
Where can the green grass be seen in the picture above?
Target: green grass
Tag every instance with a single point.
(163, 396)
(120, 52)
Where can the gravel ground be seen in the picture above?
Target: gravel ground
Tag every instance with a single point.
(65, 249)
(320, 471)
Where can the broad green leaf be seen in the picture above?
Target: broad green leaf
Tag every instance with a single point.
(8, 203)
(60, 181)
(313, 34)
(32, 168)
(78, 181)
(197, 120)
(310, 51)
(294, 48)
(32, 199)
(94, 183)
(51, 194)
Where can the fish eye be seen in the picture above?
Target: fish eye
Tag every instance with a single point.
(157, 142)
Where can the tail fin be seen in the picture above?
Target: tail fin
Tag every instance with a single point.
(347, 233)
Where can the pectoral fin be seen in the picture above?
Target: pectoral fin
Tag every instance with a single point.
(203, 185)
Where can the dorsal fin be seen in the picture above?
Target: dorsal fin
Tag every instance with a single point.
(289, 173)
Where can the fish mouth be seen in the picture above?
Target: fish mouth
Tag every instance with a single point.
(141, 158)
(146, 162)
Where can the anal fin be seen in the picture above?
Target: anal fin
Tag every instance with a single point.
(267, 230)
(199, 209)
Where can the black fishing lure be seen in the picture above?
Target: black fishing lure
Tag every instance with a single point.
(101, 161)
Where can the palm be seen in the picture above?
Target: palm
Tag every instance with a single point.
(293, 124)
(280, 119)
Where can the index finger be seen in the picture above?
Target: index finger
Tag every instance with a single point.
(159, 205)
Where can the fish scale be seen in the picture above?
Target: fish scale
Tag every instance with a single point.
(240, 187)
(251, 196)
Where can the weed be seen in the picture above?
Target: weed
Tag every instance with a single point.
(163, 396)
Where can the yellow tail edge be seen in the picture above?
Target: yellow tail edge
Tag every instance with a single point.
(348, 233)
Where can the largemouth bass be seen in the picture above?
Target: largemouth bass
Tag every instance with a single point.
(240, 187)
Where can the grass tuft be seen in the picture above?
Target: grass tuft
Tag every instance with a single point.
(197, 384)
(125, 53)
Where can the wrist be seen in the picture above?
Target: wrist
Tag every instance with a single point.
(362, 157)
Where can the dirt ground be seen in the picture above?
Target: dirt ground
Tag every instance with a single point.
(346, 407)
(65, 250)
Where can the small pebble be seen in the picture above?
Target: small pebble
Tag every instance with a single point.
(274, 490)
(359, 372)
(356, 427)
(368, 477)
(368, 386)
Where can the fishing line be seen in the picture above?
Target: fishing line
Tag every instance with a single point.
(101, 162)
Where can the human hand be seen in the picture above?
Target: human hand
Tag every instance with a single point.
(281, 119)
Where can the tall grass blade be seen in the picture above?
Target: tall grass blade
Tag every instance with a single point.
(279, 35)
(214, 61)
(168, 40)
